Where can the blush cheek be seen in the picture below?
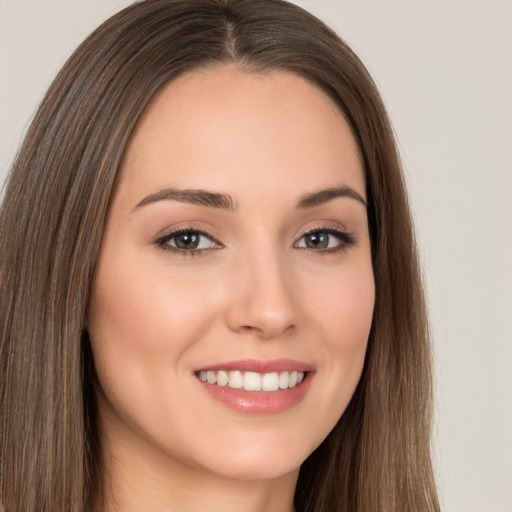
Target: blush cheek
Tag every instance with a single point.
(138, 329)
(121, 314)
(346, 318)
(350, 309)
(144, 315)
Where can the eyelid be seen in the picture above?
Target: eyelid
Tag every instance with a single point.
(346, 238)
(161, 240)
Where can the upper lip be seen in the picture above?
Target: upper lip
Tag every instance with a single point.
(260, 366)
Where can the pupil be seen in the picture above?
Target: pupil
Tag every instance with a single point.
(187, 241)
(317, 240)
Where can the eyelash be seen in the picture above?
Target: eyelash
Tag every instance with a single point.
(345, 241)
(163, 242)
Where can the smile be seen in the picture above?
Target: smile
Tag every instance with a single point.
(253, 381)
(258, 387)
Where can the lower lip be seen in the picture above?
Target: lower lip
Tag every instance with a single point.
(259, 402)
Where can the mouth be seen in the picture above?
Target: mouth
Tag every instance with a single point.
(257, 387)
(253, 381)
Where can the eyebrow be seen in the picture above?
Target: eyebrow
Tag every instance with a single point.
(226, 202)
(323, 196)
(193, 196)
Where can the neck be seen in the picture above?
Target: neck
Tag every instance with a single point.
(130, 491)
(140, 476)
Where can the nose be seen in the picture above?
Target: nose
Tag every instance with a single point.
(263, 303)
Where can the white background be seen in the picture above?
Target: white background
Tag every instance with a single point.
(444, 68)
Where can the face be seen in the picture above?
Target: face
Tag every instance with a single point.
(234, 291)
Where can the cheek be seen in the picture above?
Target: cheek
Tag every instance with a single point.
(140, 326)
(134, 310)
(344, 318)
(345, 308)
(124, 317)
(130, 325)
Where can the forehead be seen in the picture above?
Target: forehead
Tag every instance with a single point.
(226, 128)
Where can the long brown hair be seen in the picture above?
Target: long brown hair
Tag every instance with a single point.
(377, 458)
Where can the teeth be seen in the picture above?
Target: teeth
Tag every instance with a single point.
(270, 382)
(252, 381)
(222, 378)
(236, 380)
(284, 379)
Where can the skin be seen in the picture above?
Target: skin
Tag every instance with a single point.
(255, 291)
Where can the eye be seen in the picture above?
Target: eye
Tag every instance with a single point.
(326, 239)
(187, 241)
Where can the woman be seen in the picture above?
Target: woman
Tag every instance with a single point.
(210, 287)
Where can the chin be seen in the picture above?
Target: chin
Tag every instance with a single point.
(259, 460)
(256, 469)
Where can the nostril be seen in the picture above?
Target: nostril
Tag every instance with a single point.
(268, 331)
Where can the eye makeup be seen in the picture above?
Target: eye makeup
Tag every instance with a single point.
(187, 241)
(192, 241)
(326, 239)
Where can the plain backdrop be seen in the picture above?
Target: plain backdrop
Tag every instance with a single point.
(444, 68)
